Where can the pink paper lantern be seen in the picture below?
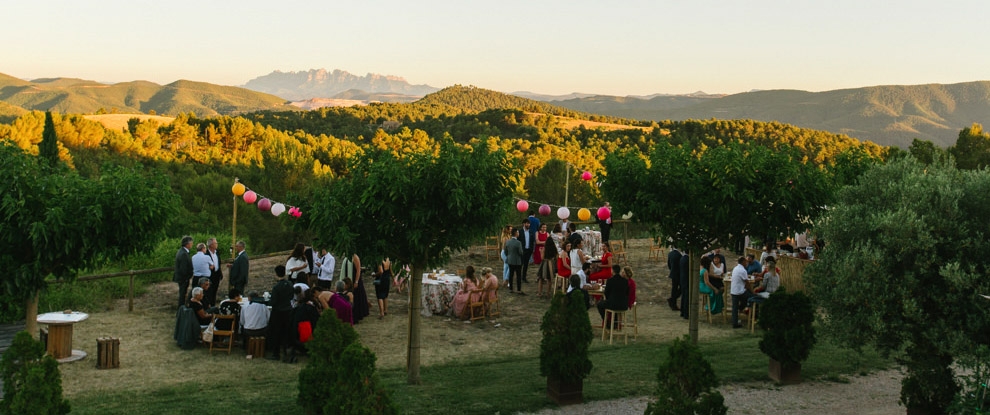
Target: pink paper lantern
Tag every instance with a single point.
(545, 210)
(604, 213)
(250, 196)
(264, 205)
(522, 205)
(586, 175)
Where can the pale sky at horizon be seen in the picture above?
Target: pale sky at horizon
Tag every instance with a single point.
(551, 47)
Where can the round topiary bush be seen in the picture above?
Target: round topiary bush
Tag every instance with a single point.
(686, 384)
(32, 383)
(566, 338)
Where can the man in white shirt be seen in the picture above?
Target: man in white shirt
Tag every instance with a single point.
(583, 275)
(325, 265)
(201, 263)
(740, 295)
(254, 318)
(216, 274)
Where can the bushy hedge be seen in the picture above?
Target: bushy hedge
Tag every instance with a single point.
(686, 384)
(788, 333)
(340, 375)
(32, 383)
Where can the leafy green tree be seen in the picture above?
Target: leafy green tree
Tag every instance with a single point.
(48, 149)
(972, 149)
(32, 383)
(903, 270)
(926, 151)
(686, 384)
(415, 208)
(716, 197)
(548, 185)
(566, 337)
(54, 222)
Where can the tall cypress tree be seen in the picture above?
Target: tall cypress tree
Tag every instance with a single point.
(48, 149)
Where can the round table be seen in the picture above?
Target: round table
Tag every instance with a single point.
(60, 335)
(438, 294)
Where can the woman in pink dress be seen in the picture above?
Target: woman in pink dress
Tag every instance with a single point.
(490, 285)
(464, 296)
(541, 243)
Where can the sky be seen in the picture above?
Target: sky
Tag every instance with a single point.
(552, 47)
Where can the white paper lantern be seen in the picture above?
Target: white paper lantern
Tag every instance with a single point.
(277, 209)
(563, 213)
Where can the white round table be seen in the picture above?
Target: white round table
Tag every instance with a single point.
(60, 335)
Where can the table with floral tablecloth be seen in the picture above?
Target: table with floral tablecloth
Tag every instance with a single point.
(438, 294)
(592, 242)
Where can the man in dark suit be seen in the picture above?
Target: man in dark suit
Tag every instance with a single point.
(183, 270)
(239, 270)
(685, 275)
(216, 274)
(605, 225)
(514, 257)
(527, 237)
(674, 265)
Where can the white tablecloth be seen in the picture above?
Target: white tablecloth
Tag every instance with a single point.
(438, 294)
(592, 242)
(59, 317)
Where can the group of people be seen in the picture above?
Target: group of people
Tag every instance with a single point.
(750, 281)
(203, 270)
(474, 289)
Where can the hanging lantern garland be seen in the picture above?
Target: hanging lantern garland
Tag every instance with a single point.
(264, 204)
(563, 212)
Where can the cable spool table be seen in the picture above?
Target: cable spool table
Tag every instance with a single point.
(60, 335)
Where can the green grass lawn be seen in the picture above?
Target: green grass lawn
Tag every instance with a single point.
(477, 386)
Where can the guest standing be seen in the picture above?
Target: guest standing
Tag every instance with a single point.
(201, 267)
(296, 266)
(673, 265)
(506, 235)
(216, 274)
(383, 279)
(605, 225)
(528, 239)
(183, 270)
(350, 268)
(740, 294)
(514, 257)
(541, 244)
(548, 269)
(325, 265)
(239, 269)
(280, 324)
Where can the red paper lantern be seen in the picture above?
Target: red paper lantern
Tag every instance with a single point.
(250, 196)
(545, 210)
(522, 205)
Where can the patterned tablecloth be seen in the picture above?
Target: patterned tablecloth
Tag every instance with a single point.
(592, 242)
(438, 294)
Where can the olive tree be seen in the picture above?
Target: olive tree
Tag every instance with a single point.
(714, 197)
(904, 269)
(415, 208)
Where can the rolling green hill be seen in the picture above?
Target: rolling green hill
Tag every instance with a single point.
(10, 112)
(887, 115)
(70, 95)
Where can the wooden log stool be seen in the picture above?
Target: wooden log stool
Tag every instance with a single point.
(107, 353)
(256, 346)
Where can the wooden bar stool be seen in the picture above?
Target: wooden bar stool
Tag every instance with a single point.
(635, 322)
(752, 317)
(614, 325)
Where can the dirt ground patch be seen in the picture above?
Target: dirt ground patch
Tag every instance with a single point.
(148, 355)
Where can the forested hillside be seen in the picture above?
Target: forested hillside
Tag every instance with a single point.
(79, 96)
(888, 115)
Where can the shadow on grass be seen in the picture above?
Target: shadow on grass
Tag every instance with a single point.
(479, 386)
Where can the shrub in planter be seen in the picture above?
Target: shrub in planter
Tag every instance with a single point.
(788, 333)
(340, 373)
(686, 384)
(564, 349)
(32, 383)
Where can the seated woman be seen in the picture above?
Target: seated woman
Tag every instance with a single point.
(605, 268)
(304, 318)
(628, 274)
(711, 285)
(230, 307)
(490, 284)
(564, 261)
(768, 281)
(196, 304)
(464, 296)
(341, 306)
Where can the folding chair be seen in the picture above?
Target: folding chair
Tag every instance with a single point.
(230, 323)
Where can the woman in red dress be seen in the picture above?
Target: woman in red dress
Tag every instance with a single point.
(605, 268)
(541, 243)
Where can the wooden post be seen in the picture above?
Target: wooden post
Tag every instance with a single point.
(130, 294)
(415, 304)
(233, 238)
(693, 269)
(567, 185)
(31, 315)
(625, 235)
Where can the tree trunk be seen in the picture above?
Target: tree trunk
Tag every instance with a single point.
(693, 281)
(31, 315)
(415, 300)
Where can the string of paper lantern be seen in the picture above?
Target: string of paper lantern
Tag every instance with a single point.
(563, 212)
(264, 204)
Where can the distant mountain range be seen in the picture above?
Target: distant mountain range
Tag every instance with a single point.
(887, 115)
(71, 95)
(320, 83)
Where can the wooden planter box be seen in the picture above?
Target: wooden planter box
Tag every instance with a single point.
(918, 411)
(565, 393)
(785, 374)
